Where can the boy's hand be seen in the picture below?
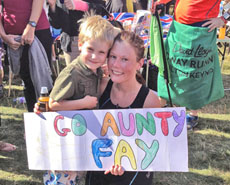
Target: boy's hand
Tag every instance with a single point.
(36, 108)
(115, 170)
(90, 101)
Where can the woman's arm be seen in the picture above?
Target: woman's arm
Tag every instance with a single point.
(152, 100)
(28, 33)
(8, 39)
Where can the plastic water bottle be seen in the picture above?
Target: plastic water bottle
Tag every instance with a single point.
(43, 100)
(19, 100)
(221, 9)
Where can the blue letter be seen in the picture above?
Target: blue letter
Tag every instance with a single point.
(96, 145)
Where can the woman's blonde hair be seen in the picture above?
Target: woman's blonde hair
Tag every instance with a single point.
(97, 28)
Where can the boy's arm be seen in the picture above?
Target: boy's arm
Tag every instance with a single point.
(88, 102)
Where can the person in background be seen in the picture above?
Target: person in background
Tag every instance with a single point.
(114, 6)
(78, 85)
(25, 18)
(2, 53)
(169, 7)
(123, 90)
(65, 16)
(196, 82)
(1, 79)
(141, 4)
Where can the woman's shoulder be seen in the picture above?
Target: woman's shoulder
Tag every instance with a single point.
(152, 100)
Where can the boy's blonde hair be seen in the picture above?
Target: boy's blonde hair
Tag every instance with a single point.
(96, 27)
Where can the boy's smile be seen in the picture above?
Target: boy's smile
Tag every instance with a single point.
(94, 53)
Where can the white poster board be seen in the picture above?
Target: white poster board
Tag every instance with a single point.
(137, 139)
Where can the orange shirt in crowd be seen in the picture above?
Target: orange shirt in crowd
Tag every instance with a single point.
(192, 11)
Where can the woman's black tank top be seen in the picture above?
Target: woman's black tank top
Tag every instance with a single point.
(106, 103)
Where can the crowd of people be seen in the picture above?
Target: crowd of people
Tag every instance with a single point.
(89, 42)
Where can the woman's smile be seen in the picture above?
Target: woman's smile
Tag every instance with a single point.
(116, 72)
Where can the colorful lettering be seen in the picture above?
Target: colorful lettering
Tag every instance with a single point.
(124, 131)
(180, 120)
(124, 149)
(150, 153)
(96, 145)
(148, 124)
(79, 126)
(64, 130)
(109, 121)
(164, 122)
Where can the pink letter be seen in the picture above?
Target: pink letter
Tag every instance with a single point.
(124, 131)
(65, 130)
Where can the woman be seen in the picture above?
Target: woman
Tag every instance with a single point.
(123, 90)
(27, 19)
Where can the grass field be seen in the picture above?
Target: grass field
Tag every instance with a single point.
(209, 144)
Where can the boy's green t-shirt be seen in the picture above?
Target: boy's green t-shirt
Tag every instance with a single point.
(76, 81)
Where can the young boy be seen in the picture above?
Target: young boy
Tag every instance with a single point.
(77, 86)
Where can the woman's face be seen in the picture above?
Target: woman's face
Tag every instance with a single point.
(122, 63)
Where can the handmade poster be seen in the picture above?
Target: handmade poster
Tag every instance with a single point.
(138, 139)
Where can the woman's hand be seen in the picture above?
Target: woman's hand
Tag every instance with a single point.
(105, 70)
(115, 170)
(69, 4)
(9, 40)
(76, 5)
(213, 23)
(52, 4)
(28, 35)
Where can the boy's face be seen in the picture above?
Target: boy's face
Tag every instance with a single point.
(94, 53)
